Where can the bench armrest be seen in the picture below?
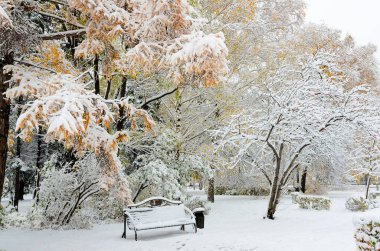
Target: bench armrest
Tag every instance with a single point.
(189, 211)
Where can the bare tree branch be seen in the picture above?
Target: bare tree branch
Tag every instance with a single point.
(61, 19)
(63, 34)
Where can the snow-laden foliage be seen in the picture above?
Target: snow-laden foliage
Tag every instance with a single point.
(161, 36)
(63, 194)
(5, 21)
(16, 32)
(75, 196)
(152, 179)
(365, 161)
(313, 202)
(193, 202)
(360, 204)
(70, 113)
(367, 233)
(303, 110)
(153, 168)
(73, 115)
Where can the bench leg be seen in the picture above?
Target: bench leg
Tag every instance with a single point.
(195, 228)
(135, 235)
(183, 227)
(124, 235)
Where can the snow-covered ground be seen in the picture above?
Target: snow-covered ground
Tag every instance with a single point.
(235, 223)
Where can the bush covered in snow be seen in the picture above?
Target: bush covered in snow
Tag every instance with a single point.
(63, 194)
(150, 171)
(1, 217)
(193, 202)
(367, 234)
(374, 195)
(313, 202)
(222, 190)
(294, 196)
(150, 180)
(360, 204)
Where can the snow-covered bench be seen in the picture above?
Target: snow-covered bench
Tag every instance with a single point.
(157, 212)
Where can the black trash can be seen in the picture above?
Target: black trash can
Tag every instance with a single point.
(199, 217)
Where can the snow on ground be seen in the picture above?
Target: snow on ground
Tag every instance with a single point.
(235, 223)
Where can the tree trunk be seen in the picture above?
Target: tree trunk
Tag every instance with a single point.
(109, 83)
(303, 180)
(38, 164)
(178, 125)
(141, 188)
(96, 75)
(4, 117)
(123, 91)
(368, 185)
(17, 186)
(22, 189)
(297, 188)
(276, 185)
(201, 183)
(273, 193)
(211, 190)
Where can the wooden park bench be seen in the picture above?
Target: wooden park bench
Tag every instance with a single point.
(157, 212)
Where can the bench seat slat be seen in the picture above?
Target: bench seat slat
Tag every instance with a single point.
(157, 217)
(160, 224)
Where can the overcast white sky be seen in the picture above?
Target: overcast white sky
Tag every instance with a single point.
(360, 18)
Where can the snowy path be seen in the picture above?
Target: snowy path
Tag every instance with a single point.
(235, 223)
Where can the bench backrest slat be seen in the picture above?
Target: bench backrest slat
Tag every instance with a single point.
(156, 214)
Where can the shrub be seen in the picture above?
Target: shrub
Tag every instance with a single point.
(232, 192)
(1, 217)
(195, 202)
(294, 196)
(313, 202)
(359, 204)
(63, 195)
(374, 195)
(367, 233)
(256, 191)
(219, 190)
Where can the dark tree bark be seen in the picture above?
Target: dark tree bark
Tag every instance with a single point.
(367, 186)
(122, 119)
(109, 83)
(303, 180)
(18, 193)
(17, 188)
(96, 75)
(298, 180)
(140, 189)
(211, 190)
(158, 97)
(38, 164)
(280, 180)
(63, 34)
(273, 199)
(178, 123)
(4, 117)
(22, 189)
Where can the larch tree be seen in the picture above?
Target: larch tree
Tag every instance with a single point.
(133, 38)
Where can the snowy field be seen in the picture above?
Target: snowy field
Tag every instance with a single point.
(235, 223)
